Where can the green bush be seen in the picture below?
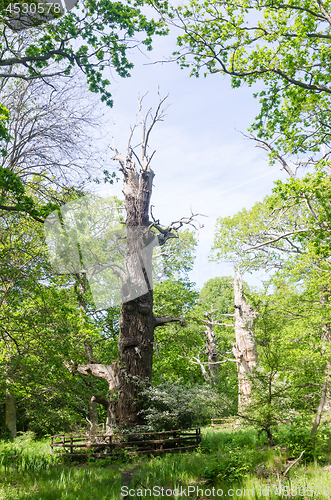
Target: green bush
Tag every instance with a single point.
(231, 468)
(297, 437)
(172, 405)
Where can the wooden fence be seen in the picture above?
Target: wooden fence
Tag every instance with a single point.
(222, 422)
(106, 445)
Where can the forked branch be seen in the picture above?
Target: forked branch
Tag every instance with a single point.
(147, 128)
(172, 230)
(127, 161)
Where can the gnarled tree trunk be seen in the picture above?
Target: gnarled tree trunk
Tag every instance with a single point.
(137, 321)
(244, 349)
(211, 350)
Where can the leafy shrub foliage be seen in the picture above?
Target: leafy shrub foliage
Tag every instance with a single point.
(176, 406)
(232, 467)
(297, 437)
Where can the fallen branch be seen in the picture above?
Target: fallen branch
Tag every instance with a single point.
(295, 461)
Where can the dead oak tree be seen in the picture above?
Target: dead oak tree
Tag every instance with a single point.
(137, 321)
(244, 349)
(211, 348)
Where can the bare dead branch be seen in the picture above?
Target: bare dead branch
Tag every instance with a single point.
(224, 361)
(196, 361)
(172, 230)
(215, 323)
(158, 116)
(163, 320)
(107, 372)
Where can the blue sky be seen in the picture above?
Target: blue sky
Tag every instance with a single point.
(201, 160)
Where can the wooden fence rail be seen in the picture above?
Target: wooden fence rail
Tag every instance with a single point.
(222, 422)
(125, 444)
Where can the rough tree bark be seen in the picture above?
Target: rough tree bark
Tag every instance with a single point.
(244, 349)
(11, 413)
(211, 348)
(93, 415)
(137, 321)
(211, 342)
(324, 402)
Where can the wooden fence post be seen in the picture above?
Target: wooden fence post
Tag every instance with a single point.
(197, 432)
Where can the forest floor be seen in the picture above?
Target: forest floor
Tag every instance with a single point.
(228, 464)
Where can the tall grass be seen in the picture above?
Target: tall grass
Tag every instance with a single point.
(235, 461)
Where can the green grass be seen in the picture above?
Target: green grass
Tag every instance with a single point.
(224, 461)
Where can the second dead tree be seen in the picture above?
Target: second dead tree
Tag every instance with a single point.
(244, 348)
(324, 402)
(211, 348)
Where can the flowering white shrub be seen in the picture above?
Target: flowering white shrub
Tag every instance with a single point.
(176, 406)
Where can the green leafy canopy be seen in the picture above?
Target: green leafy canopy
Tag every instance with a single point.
(94, 36)
(285, 46)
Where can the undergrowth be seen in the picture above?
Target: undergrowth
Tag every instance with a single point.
(237, 461)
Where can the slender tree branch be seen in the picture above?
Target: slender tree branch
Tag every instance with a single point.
(275, 239)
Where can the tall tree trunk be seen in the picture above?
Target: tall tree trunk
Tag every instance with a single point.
(136, 356)
(211, 349)
(93, 415)
(11, 413)
(137, 322)
(324, 401)
(244, 349)
(321, 405)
